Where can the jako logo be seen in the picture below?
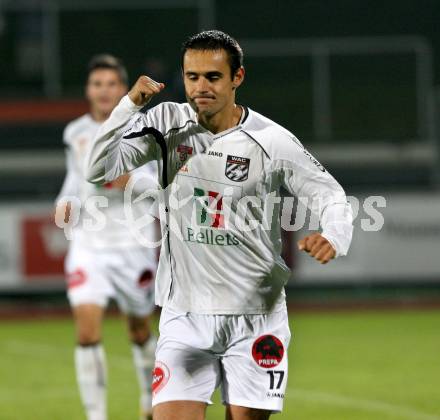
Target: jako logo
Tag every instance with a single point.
(216, 154)
(209, 208)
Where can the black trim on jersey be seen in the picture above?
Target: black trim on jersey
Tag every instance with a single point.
(179, 128)
(160, 139)
(246, 114)
(262, 148)
(227, 134)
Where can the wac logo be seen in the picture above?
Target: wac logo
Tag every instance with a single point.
(267, 351)
(237, 168)
(209, 208)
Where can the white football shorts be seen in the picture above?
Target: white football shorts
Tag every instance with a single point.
(127, 275)
(246, 355)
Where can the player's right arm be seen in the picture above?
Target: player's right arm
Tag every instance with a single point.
(71, 183)
(111, 155)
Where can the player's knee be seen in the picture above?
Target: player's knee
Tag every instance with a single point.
(88, 340)
(140, 337)
(88, 336)
(179, 410)
(139, 330)
(246, 413)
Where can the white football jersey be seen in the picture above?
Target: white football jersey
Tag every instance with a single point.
(102, 221)
(221, 252)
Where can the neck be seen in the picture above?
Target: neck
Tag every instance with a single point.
(221, 121)
(99, 116)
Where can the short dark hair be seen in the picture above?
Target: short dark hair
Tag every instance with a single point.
(108, 61)
(215, 40)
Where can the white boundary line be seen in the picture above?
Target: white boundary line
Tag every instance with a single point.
(314, 396)
(376, 406)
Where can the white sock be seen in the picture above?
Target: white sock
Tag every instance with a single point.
(91, 375)
(143, 357)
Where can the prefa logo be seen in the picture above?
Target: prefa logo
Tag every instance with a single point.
(268, 351)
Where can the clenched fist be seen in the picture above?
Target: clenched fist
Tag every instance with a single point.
(144, 89)
(318, 247)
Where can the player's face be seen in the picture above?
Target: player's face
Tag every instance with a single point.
(208, 84)
(104, 90)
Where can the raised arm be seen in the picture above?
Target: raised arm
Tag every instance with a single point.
(111, 155)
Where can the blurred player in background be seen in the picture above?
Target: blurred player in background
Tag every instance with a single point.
(221, 283)
(109, 262)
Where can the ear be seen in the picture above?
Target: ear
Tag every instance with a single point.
(86, 91)
(238, 78)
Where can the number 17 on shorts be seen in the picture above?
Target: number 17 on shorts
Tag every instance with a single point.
(268, 352)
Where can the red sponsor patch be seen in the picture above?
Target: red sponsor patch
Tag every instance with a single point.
(268, 351)
(76, 278)
(161, 375)
(184, 152)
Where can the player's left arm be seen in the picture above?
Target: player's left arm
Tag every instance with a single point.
(318, 247)
(306, 178)
(70, 186)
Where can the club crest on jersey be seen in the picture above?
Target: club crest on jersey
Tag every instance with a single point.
(237, 168)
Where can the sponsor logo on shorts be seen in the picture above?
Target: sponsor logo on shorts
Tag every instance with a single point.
(161, 375)
(237, 168)
(76, 278)
(275, 395)
(268, 351)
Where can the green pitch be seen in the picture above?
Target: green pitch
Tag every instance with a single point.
(346, 366)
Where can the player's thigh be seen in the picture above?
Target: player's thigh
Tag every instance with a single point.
(186, 368)
(138, 328)
(132, 273)
(179, 410)
(255, 367)
(85, 277)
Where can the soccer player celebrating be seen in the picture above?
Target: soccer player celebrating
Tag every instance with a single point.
(221, 278)
(108, 262)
